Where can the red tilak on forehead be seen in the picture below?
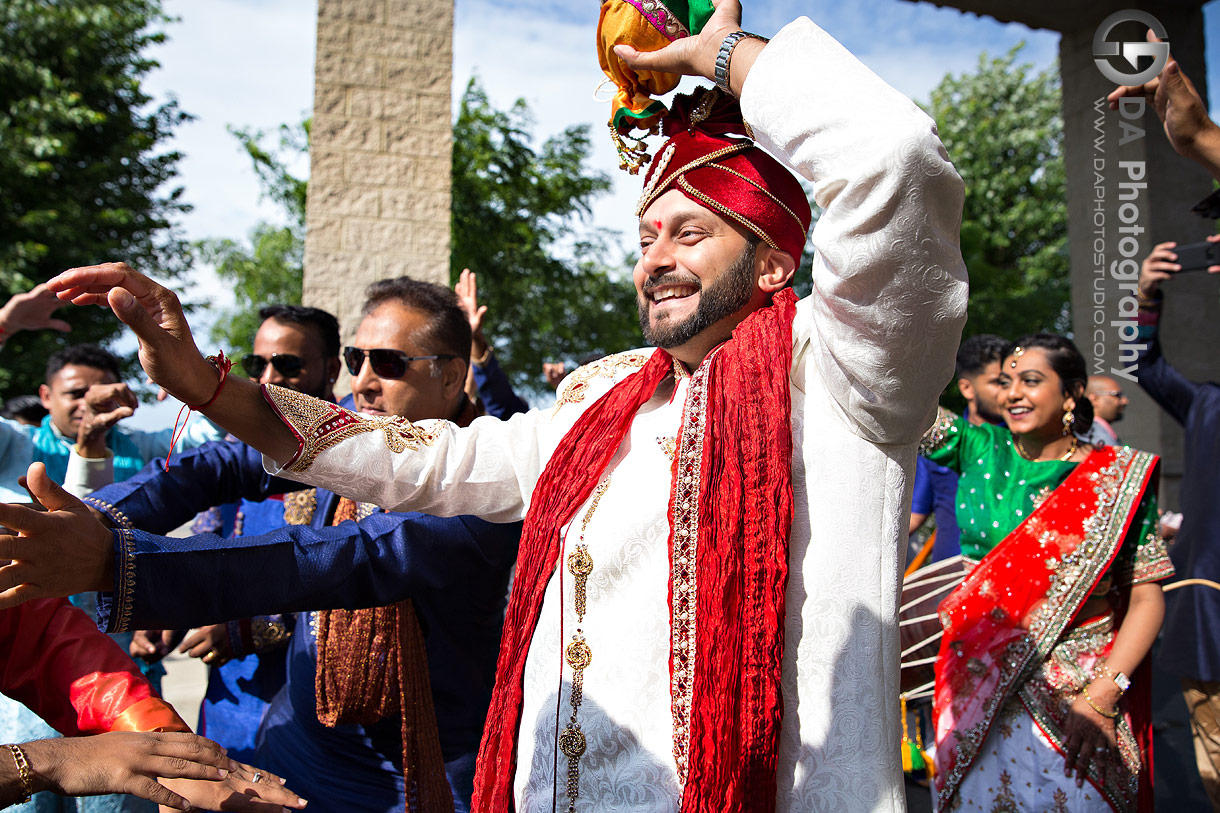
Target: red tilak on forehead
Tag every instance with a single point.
(657, 223)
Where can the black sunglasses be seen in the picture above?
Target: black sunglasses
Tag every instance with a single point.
(285, 364)
(386, 363)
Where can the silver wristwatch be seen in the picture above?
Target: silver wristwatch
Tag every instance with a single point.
(725, 56)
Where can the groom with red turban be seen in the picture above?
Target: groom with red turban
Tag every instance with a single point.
(704, 610)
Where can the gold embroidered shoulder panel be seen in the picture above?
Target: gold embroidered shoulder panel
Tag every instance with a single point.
(939, 432)
(608, 367)
(319, 425)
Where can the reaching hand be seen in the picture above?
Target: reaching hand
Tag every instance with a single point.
(1181, 110)
(553, 372)
(60, 552)
(32, 311)
(132, 762)
(105, 405)
(692, 56)
(151, 645)
(167, 349)
(209, 644)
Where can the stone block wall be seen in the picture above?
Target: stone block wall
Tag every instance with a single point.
(380, 150)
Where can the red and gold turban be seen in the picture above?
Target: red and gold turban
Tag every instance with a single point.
(711, 165)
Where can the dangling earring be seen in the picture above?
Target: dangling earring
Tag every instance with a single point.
(1068, 417)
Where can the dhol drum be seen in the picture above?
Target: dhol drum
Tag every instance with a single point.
(919, 627)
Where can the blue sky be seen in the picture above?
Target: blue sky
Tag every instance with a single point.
(249, 63)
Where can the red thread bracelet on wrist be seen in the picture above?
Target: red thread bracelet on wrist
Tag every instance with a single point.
(222, 364)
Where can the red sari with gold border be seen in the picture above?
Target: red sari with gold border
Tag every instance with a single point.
(1004, 621)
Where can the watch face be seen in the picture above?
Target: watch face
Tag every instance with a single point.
(1123, 681)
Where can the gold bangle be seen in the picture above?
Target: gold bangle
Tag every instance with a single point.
(1108, 714)
(481, 360)
(23, 772)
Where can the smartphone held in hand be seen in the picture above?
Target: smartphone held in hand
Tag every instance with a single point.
(1197, 256)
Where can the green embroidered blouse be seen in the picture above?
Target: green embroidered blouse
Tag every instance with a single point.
(999, 488)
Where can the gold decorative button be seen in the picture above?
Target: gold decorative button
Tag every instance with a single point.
(572, 742)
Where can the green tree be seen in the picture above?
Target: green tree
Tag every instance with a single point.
(81, 159)
(1003, 128)
(518, 222)
(269, 269)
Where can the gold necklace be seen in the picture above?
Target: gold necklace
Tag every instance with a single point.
(1066, 456)
(578, 654)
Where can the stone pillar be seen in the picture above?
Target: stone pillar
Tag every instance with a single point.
(1191, 327)
(380, 150)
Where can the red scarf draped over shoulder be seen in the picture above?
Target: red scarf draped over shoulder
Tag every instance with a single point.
(744, 511)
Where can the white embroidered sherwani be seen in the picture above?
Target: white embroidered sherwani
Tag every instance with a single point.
(873, 347)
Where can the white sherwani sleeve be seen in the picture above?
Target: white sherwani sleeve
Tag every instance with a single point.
(890, 287)
(487, 469)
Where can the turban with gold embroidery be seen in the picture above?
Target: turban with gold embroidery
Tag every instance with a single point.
(707, 160)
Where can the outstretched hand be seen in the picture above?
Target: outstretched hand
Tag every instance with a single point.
(1181, 110)
(245, 790)
(32, 311)
(167, 348)
(59, 552)
(209, 644)
(696, 55)
(176, 769)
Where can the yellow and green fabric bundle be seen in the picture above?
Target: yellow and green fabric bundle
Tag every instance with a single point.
(646, 25)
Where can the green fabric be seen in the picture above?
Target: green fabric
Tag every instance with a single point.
(693, 13)
(999, 488)
(624, 113)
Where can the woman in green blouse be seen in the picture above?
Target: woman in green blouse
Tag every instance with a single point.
(1061, 601)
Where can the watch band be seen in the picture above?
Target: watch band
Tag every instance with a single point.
(725, 56)
(1122, 681)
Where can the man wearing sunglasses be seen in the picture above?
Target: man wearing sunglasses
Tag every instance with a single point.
(295, 347)
(407, 359)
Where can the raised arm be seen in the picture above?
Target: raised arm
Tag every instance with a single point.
(1171, 390)
(159, 500)
(175, 583)
(890, 287)
(1182, 112)
(432, 467)
(170, 357)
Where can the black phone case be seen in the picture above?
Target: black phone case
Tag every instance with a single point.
(1198, 256)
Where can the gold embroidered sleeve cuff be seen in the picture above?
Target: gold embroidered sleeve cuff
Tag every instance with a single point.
(117, 517)
(1151, 562)
(124, 581)
(318, 425)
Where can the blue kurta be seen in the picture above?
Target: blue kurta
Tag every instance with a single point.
(454, 569)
